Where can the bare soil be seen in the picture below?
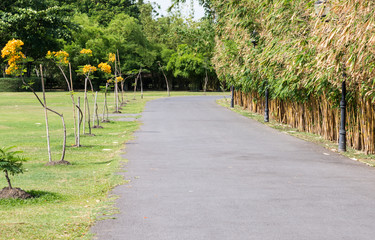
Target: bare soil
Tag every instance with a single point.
(54, 163)
(14, 193)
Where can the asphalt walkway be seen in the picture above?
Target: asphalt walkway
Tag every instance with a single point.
(200, 171)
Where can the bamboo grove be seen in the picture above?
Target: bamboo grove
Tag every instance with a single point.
(302, 56)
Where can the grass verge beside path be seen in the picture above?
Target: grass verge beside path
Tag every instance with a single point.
(351, 153)
(67, 199)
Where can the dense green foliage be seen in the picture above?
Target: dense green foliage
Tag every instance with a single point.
(297, 52)
(142, 39)
(302, 56)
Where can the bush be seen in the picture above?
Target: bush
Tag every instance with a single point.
(16, 85)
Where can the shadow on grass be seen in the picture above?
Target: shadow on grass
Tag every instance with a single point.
(38, 197)
(102, 163)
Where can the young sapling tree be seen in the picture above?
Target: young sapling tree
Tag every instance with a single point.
(11, 164)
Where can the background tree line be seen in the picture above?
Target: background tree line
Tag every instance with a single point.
(182, 47)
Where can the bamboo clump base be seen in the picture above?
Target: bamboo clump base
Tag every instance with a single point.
(319, 116)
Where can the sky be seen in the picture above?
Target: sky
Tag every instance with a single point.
(165, 4)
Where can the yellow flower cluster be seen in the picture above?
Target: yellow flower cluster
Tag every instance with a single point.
(105, 67)
(60, 56)
(111, 57)
(88, 69)
(11, 48)
(86, 51)
(12, 51)
(119, 79)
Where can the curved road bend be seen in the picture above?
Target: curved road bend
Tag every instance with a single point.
(199, 171)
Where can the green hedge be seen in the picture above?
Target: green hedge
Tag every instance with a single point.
(15, 84)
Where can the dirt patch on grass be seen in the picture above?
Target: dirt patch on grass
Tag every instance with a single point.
(14, 193)
(54, 163)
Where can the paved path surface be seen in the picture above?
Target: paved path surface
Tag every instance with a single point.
(199, 171)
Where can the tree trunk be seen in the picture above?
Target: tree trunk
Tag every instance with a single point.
(105, 108)
(46, 115)
(135, 85)
(140, 78)
(166, 80)
(64, 141)
(79, 123)
(41, 103)
(84, 108)
(205, 83)
(74, 105)
(8, 180)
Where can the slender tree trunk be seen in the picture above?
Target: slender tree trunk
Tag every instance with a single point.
(41, 103)
(205, 83)
(122, 92)
(46, 115)
(64, 141)
(135, 85)
(70, 88)
(84, 108)
(140, 78)
(88, 114)
(166, 80)
(79, 122)
(116, 87)
(105, 108)
(96, 117)
(74, 105)
(8, 180)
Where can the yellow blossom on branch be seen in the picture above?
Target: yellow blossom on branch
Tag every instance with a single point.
(12, 52)
(11, 48)
(105, 67)
(88, 69)
(61, 57)
(111, 57)
(86, 51)
(119, 79)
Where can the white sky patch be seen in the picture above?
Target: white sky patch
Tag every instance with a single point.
(185, 8)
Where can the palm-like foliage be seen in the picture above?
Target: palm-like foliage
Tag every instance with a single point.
(10, 163)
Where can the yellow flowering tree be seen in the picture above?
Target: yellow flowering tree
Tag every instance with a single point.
(106, 68)
(87, 70)
(12, 53)
(16, 60)
(115, 60)
(61, 58)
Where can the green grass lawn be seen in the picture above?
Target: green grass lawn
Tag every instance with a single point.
(67, 199)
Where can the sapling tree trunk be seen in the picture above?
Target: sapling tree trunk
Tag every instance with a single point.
(120, 74)
(105, 108)
(84, 109)
(60, 115)
(205, 83)
(166, 79)
(88, 114)
(46, 116)
(96, 117)
(140, 78)
(70, 88)
(79, 122)
(116, 87)
(8, 180)
(135, 84)
(122, 93)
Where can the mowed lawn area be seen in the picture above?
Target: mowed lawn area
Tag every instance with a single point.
(67, 199)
